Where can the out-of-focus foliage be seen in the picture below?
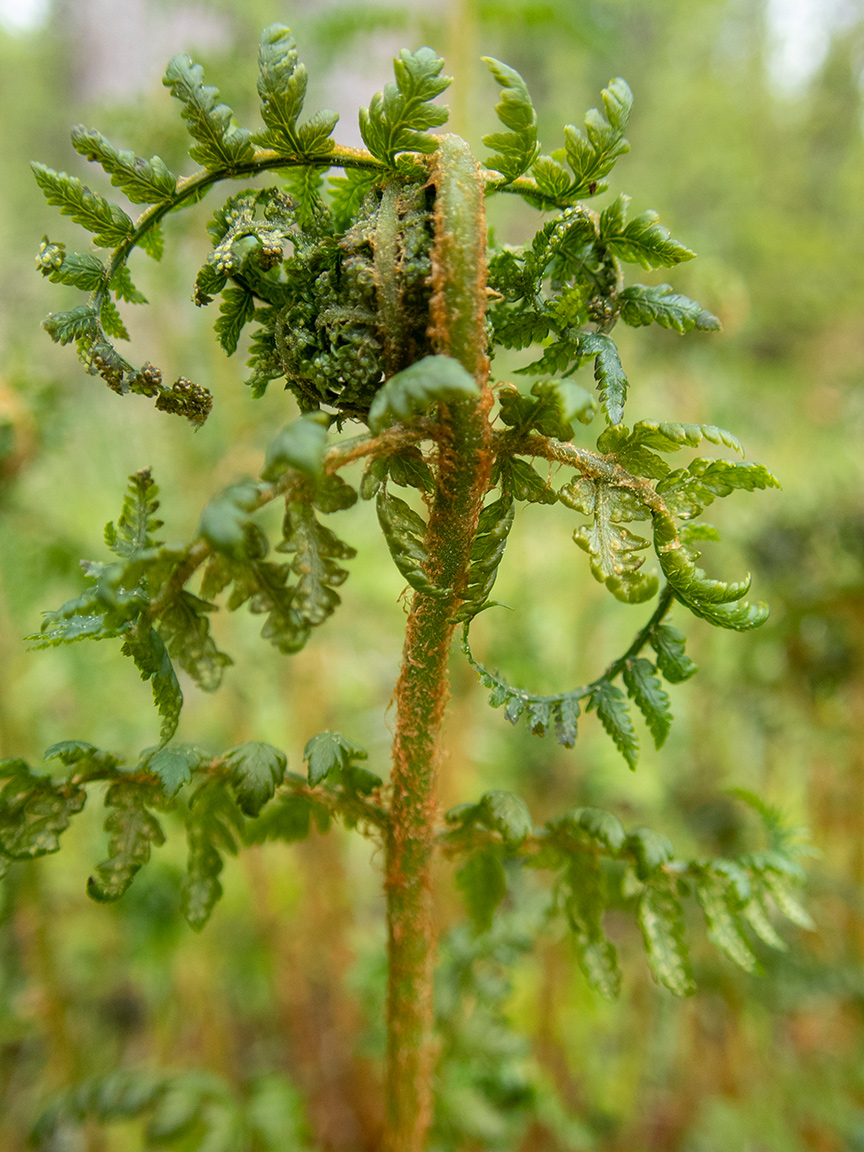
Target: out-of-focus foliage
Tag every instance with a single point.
(768, 188)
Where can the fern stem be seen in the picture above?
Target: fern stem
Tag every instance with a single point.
(464, 467)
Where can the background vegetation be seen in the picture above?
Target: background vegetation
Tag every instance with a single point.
(764, 178)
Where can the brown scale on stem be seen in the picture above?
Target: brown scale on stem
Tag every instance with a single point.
(463, 439)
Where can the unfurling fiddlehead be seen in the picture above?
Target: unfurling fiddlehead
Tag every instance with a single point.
(367, 293)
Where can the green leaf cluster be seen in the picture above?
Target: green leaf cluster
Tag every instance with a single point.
(322, 324)
(590, 154)
(614, 551)
(640, 240)
(551, 409)
(569, 276)
(404, 532)
(599, 866)
(397, 119)
(34, 811)
(628, 491)
(239, 562)
(639, 676)
(141, 181)
(108, 222)
(192, 1111)
(487, 552)
(514, 150)
(282, 88)
(432, 380)
(118, 603)
(220, 143)
(90, 326)
(133, 832)
(489, 1092)
(243, 796)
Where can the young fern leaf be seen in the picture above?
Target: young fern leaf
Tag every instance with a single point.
(406, 468)
(661, 919)
(646, 691)
(608, 372)
(300, 445)
(347, 193)
(493, 528)
(498, 811)
(90, 329)
(552, 179)
(236, 310)
(173, 765)
(483, 885)
(592, 154)
(282, 88)
(316, 550)
(672, 660)
(89, 616)
(221, 143)
(649, 851)
(719, 603)
(80, 323)
(257, 769)
(85, 756)
(81, 270)
(303, 185)
(141, 181)
(109, 224)
(123, 288)
(184, 624)
(515, 150)
(111, 321)
(725, 929)
(262, 586)
(603, 828)
(132, 533)
(687, 491)
(520, 481)
(642, 305)
(614, 550)
(665, 437)
(330, 753)
(755, 912)
(225, 520)
(134, 831)
(551, 409)
(585, 905)
(397, 118)
(404, 531)
(544, 714)
(34, 811)
(610, 704)
(641, 240)
(432, 380)
(147, 649)
(214, 826)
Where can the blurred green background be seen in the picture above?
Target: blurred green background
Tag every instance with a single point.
(747, 138)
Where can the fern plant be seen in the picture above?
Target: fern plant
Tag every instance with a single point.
(372, 295)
